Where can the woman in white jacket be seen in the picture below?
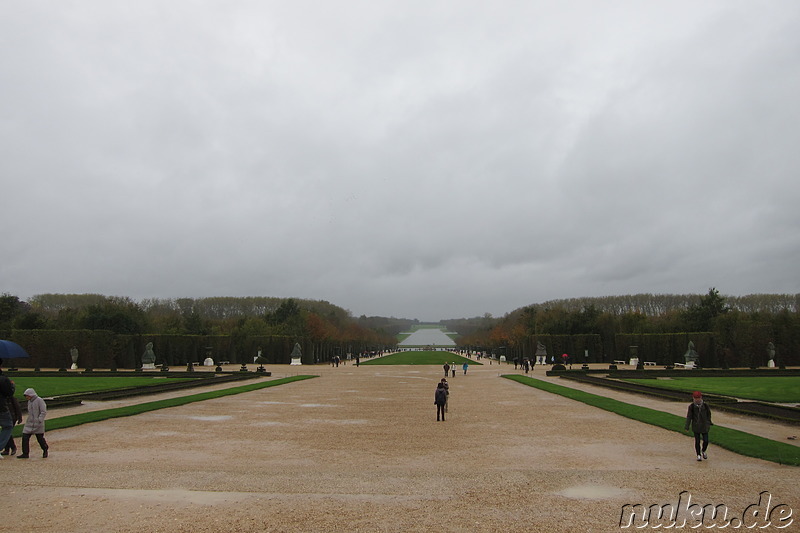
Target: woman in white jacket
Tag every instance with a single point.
(34, 425)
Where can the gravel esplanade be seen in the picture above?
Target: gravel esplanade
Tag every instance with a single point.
(359, 449)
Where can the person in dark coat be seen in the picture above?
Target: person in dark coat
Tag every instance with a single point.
(16, 418)
(440, 399)
(447, 389)
(699, 417)
(446, 369)
(6, 417)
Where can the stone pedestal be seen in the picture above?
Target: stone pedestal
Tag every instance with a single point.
(148, 366)
(296, 361)
(74, 366)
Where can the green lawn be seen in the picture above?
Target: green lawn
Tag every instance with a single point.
(421, 358)
(49, 386)
(778, 389)
(129, 410)
(730, 439)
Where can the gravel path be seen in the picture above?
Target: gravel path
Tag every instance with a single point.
(359, 449)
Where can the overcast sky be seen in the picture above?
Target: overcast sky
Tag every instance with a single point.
(416, 159)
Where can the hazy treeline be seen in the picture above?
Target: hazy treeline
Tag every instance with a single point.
(660, 304)
(214, 308)
(317, 320)
(391, 326)
(739, 327)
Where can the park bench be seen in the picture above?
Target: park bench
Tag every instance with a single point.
(649, 363)
(619, 362)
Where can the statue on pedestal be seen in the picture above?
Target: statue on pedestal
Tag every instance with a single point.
(296, 355)
(541, 353)
(691, 356)
(149, 357)
(73, 353)
(771, 355)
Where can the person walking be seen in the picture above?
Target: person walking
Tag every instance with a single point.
(16, 418)
(446, 388)
(453, 368)
(6, 420)
(699, 417)
(446, 369)
(440, 399)
(465, 366)
(34, 425)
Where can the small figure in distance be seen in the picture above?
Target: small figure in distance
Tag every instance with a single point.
(447, 388)
(440, 399)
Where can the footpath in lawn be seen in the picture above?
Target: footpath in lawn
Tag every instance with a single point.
(129, 410)
(730, 439)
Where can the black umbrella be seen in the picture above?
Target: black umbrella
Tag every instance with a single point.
(12, 350)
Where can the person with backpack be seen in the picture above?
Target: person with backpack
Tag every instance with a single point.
(699, 417)
(440, 399)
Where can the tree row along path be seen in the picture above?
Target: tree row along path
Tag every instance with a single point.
(359, 449)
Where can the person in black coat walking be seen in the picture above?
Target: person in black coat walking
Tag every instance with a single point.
(440, 399)
(16, 418)
(699, 417)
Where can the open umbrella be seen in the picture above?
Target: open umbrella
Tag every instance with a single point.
(11, 350)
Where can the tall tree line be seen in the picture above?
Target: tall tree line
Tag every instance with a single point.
(741, 326)
(256, 316)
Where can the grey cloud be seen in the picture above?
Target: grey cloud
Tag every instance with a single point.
(407, 159)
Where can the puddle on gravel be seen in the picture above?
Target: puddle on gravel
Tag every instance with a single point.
(217, 418)
(592, 492)
(197, 497)
(337, 422)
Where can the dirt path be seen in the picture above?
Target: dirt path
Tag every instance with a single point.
(359, 449)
